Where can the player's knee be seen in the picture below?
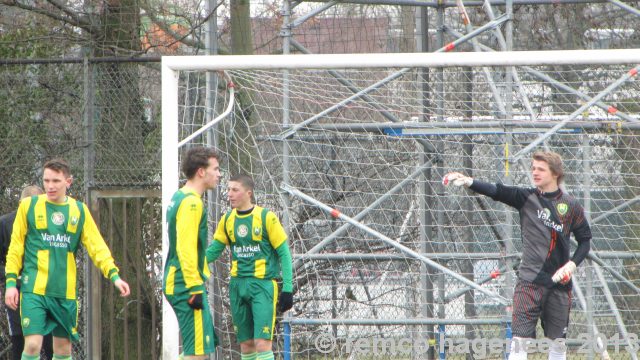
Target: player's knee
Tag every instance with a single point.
(263, 345)
(61, 346)
(247, 347)
(32, 346)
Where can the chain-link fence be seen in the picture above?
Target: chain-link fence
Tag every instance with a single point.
(103, 118)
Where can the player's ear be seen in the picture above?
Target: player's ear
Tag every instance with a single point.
(69, 181)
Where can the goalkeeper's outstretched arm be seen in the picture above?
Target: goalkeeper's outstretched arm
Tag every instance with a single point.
(459, 179)
(511, 195)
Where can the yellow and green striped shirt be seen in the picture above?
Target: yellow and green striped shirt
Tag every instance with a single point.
(255, 240)
(186, 267)
(44, 243)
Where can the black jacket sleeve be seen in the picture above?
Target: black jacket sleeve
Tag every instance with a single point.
(510, 195)
(582, 232)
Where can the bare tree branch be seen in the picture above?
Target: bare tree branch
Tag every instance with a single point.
(72, 14)
(67, 19)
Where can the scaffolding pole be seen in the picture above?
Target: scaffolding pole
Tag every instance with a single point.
(594, 327)
(623, 79)
(337, 214)
(342, 229)
(476, 47)
(557, 84)
(293, 129)
(624, 6)
(446, 4)
(349, 85)
(442, 256)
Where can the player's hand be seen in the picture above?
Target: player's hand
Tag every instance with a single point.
(285, 301)
(123, 287)
(563, 275)
(457, 179)
(12, 298)
(195, 301)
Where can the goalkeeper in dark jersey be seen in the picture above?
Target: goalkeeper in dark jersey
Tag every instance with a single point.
(47, 232)
(259, 254)
(186, 268)
(548, 216)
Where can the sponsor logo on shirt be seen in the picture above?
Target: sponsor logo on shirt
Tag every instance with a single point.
(57, 218)
(256, 230)
(266, 330)
(562, 208)
(545, 216)
(25, 322)
(246, 251)
(74, 220)
(57, 240)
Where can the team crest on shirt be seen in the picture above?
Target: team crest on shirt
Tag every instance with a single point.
(562, 208)
(256, 230)
(74, 220)
(243, 230)
(57, 218)
(25, 322)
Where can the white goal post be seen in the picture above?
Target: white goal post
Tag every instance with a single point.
(541, 127)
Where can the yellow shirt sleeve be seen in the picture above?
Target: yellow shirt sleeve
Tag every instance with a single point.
(187, 229)
(16, 247)
(219, 234)
(96, 247)
(277, 235)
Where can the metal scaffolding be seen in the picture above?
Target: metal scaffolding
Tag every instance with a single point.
(504, 123)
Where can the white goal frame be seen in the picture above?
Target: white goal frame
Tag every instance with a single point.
(172, 65)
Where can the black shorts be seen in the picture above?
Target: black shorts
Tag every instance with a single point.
(532, 302)
(13, 318)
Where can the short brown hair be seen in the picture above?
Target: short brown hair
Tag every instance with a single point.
(245, 180)
(553, 159)
(196, 158)
(58, 165)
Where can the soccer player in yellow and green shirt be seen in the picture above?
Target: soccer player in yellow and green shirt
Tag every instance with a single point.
(186, 268)
(47, 232)
(259, 253)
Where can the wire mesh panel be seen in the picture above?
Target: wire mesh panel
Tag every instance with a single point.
(352, 160)
(103, 120)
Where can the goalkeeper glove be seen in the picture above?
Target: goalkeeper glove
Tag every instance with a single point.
(457, 179)
(195, 301)
(285, 301)
(563, 275)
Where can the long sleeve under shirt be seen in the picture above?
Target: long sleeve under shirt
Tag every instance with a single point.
(546, 221)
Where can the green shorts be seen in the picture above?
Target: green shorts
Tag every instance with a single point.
(196, 326)
(253, 307)
(41, 315)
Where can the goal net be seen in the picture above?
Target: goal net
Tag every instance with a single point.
(350, 150)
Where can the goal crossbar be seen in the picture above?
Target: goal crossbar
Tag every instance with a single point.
(450, 59)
